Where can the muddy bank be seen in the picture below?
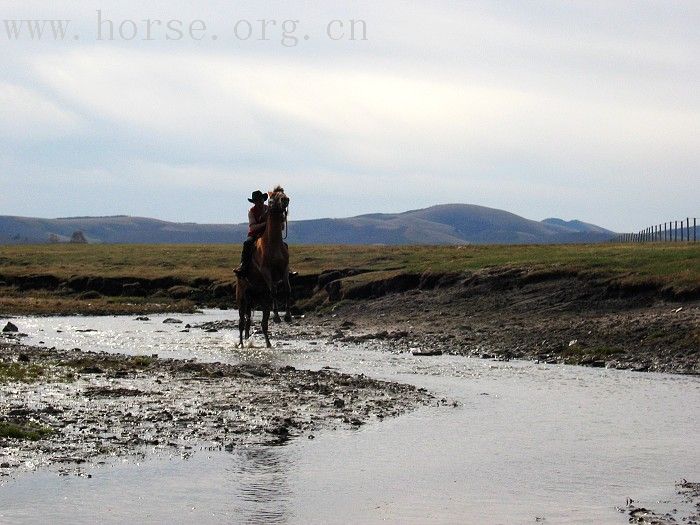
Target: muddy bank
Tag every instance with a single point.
(49, 294)
(67, 407)
(553, 317)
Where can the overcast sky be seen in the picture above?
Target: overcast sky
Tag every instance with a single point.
(576, 109)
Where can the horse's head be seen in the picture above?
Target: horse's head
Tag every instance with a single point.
(278, 202)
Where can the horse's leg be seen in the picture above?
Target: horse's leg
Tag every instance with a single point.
(248, 319)
(241, 321)
(265, 319)
(288, 292)
(275, 304)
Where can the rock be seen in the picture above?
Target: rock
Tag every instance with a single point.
(92, 370)
(338, 403)
(171, 320)
(426, 353)
(181, 292)
(142, 318)
(23, 358)
(5, 464)
(281, 431)
(10, 327)
(90, 294)
(133, 290)
(211, 330)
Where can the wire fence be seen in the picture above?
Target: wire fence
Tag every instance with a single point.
(684, 230)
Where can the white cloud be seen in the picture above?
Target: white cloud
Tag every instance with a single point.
(372, 119)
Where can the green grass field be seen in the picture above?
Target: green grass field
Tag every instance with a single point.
(677, 264)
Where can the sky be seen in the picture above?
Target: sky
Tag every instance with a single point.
(178, 110)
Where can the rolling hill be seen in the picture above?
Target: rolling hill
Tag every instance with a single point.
(442, 224)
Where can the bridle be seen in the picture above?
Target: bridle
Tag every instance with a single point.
(276, 207)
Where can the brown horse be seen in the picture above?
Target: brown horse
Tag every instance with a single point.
(269, 270)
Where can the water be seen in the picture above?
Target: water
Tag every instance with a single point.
(526, 441)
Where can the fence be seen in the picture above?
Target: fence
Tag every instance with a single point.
(672, 231)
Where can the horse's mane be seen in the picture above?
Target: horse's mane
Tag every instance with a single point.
(278, 189)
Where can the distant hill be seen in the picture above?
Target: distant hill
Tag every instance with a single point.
(443, 224)
(576, 226)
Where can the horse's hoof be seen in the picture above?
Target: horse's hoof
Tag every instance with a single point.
(276, 319)
(288, 317)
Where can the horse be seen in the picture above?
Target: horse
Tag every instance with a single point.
(269, 270)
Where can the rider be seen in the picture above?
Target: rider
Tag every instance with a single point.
(257, 221)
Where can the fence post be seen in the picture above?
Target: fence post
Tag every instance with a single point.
(675, 231)
(687, 223)
(695, 229)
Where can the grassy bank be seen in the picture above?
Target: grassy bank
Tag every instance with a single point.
(45, 279)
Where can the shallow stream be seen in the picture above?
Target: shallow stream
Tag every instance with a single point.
(526, 443)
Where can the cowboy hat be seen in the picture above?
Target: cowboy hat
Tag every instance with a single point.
(258, 195)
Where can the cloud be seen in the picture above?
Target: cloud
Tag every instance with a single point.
(243, 104)
(27, 115)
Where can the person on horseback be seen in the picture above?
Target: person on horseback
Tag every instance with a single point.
(257, 222)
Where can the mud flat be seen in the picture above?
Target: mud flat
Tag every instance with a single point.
(67, 407)
(550, 317)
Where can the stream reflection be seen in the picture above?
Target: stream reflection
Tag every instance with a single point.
(259, 478)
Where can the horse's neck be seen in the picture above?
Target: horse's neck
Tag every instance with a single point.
(273, 232)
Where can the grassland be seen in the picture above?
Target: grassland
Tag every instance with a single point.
(671, 263)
